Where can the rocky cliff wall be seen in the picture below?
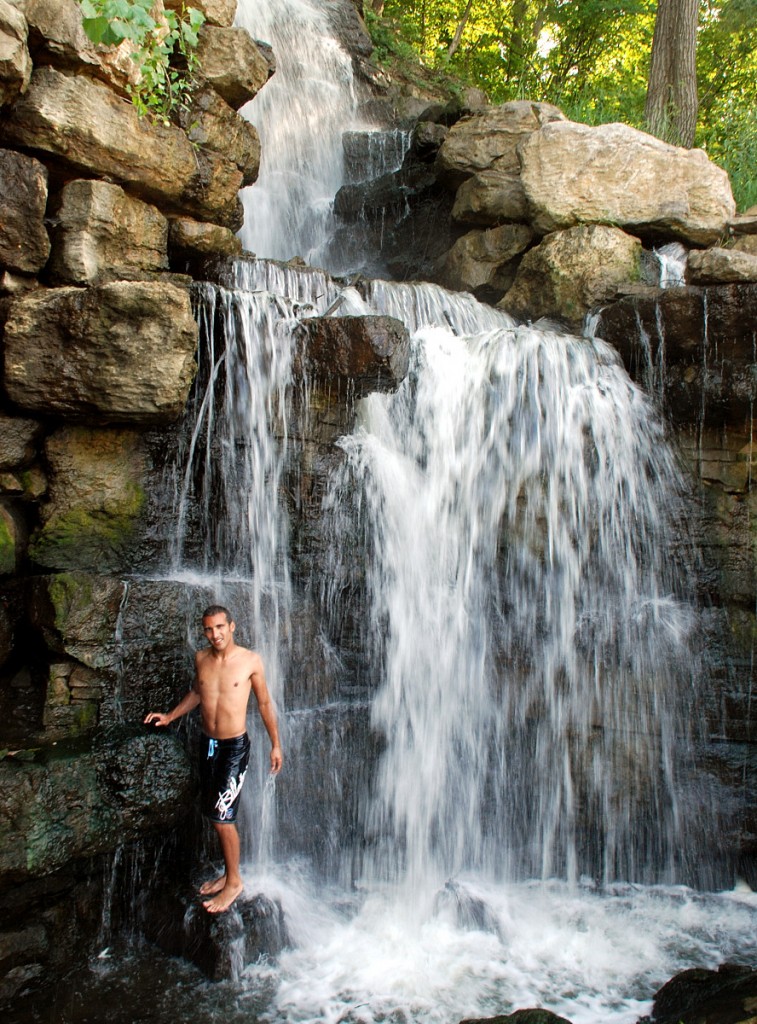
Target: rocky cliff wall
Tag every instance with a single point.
(103, 213)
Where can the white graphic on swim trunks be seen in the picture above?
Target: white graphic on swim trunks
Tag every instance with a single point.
(225, 802)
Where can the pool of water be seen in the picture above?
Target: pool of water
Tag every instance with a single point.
(470, 949)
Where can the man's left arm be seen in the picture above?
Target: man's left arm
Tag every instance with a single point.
(268, 714)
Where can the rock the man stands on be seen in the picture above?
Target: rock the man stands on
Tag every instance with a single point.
(225, 673)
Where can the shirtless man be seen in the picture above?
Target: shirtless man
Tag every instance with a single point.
(225, 674)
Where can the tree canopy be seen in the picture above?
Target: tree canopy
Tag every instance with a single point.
(592, 59)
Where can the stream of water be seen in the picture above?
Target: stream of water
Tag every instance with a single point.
(510, 522)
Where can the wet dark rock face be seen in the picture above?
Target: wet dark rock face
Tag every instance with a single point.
(58, 805)
(362, 353)
(693, 350)
(221, 945)
(402, 219)
(699, 996)
(699, 348)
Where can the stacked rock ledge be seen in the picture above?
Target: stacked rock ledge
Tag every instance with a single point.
(103, 215)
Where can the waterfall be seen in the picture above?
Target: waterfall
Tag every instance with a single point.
(300, 115)
(517, 493)
(472, 826)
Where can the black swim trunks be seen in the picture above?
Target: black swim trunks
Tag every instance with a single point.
(223, 764)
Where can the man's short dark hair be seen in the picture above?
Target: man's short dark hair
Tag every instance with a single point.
(217, 609)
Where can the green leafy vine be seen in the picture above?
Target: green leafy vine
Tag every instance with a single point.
(164, 50)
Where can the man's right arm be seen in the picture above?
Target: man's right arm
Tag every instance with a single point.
(187, 704)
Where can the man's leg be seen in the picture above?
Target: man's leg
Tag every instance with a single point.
(230, 885)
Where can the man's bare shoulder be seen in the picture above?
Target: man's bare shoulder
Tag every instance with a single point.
(251, 658)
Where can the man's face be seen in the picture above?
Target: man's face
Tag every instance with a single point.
(218, 631)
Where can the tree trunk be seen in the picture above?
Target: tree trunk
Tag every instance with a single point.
(459, 30)
(671, 107)
(377, 6)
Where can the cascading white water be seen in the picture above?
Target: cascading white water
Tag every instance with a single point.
(300, 115)
(510, 508)
(517, 493)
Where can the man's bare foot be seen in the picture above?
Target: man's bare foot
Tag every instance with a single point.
(223, 900)
(214, 886)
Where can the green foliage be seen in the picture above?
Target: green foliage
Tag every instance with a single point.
(590, 58)
(164, 50)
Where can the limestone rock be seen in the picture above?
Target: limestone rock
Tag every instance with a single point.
(212, 124)
(90, 129)
(721, 266)
(57, 37)
(488, 141)
(96, 495)
(72, 701)
(233, 63)
(491, 197)
(58, 809)
(427, 139)
(101, 233)
(24, 244)
(480, 262)
(613, 174)
(572, 271)
(746, 243)
(217, 12)
(76, 613)
(120, 352)
(190, 237)
(369, 353)
(18, 439)
(15, 62)
(28, 484)
(14, 284)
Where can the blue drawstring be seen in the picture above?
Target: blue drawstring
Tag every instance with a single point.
(212, 744)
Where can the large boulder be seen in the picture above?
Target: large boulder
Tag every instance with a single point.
(15, 62)
(489, 140)
(490, 198)
(121, 352)
(101, 233)
(58, 807)
(233, 63)
(96, 495)
(481, 262)
(572, 271)
(24, 243)
(613, 174)
(90, 129)
(479, 158)
(366, 353)
(700, 996)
